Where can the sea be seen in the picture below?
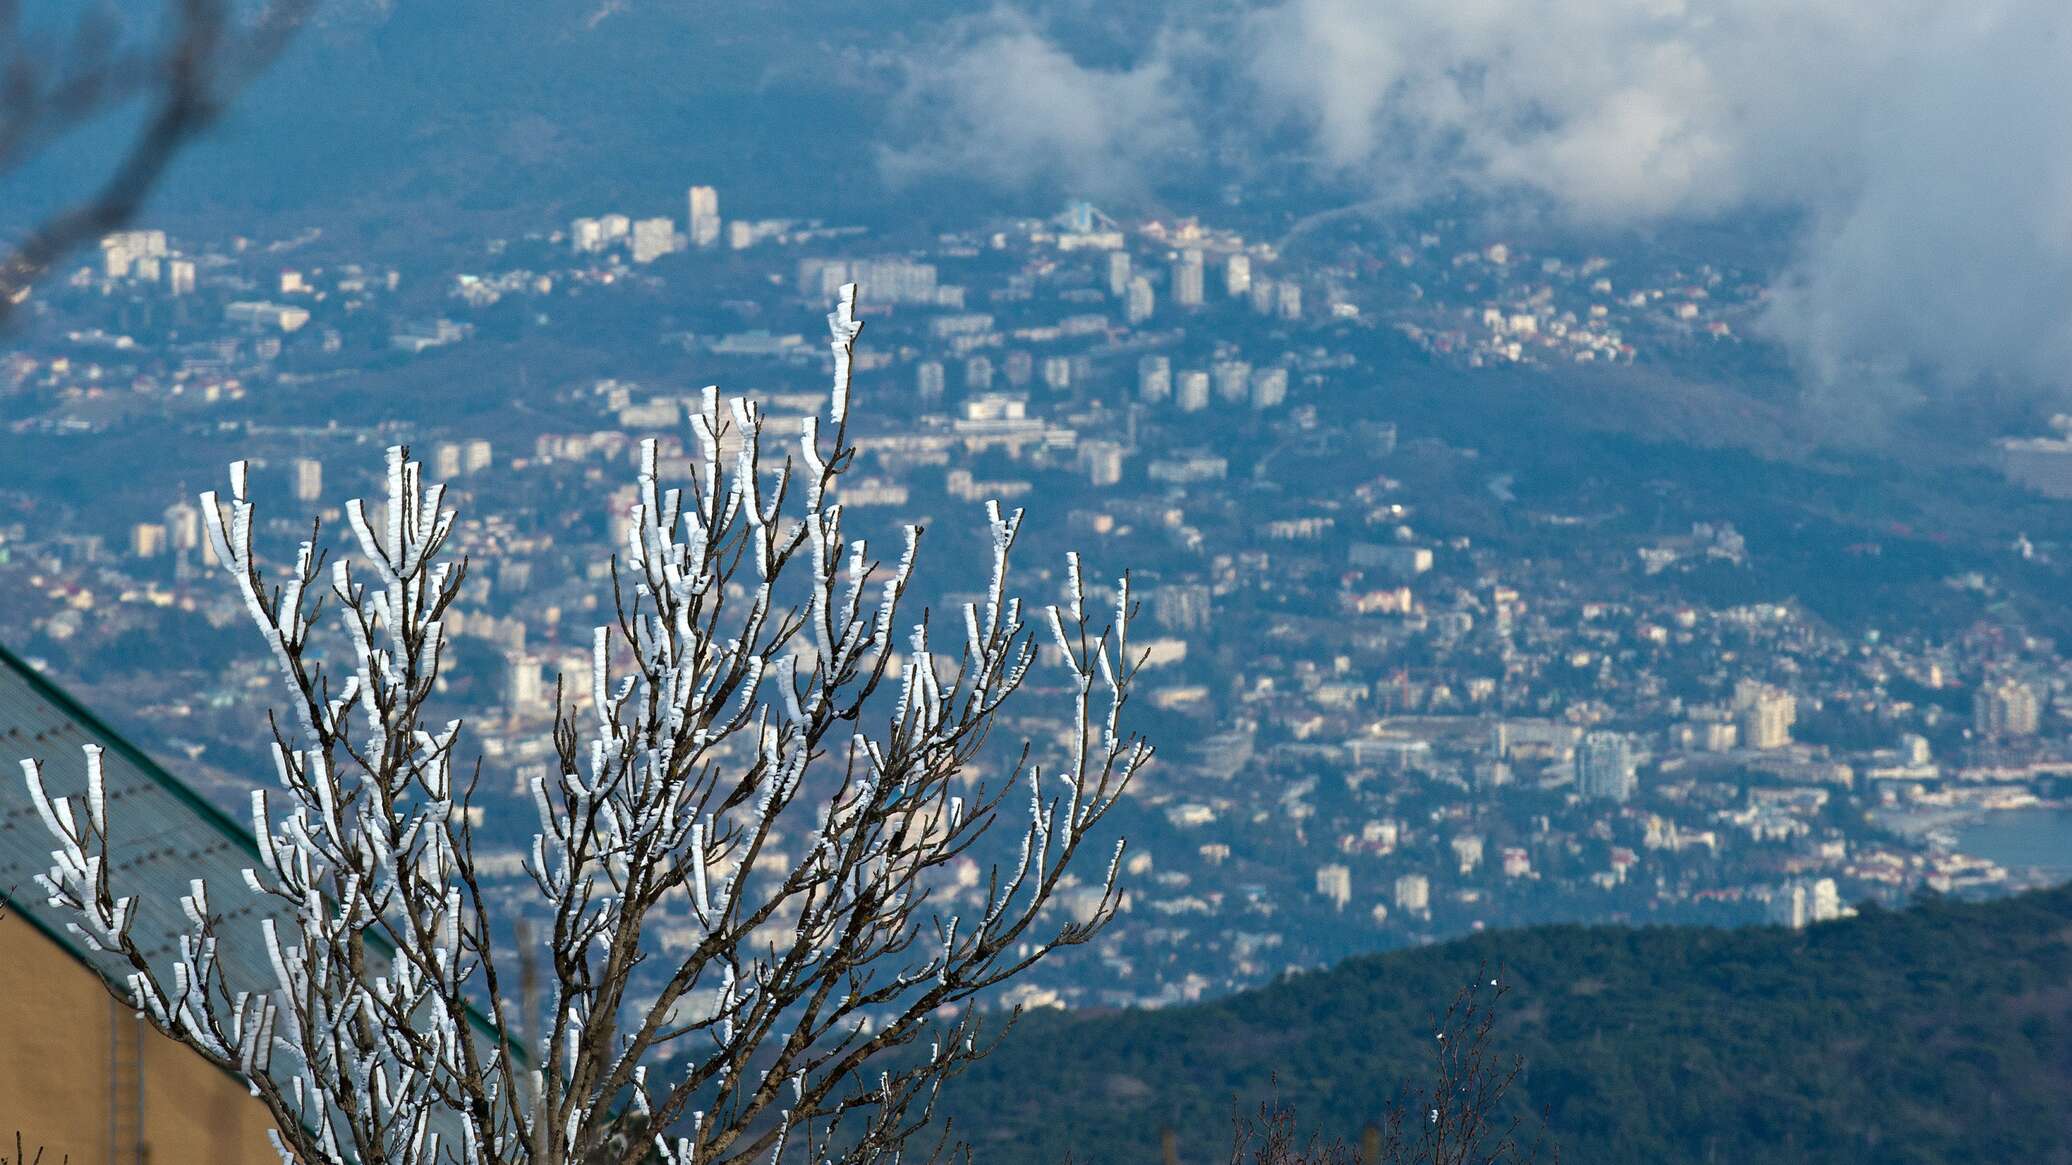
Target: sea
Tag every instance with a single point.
(2022, 840)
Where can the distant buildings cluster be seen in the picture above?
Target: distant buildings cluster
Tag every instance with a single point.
(1381, 724)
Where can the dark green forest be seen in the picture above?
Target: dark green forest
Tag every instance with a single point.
(1940, 1033)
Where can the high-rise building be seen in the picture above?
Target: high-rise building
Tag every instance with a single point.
(1287, 299)
(1237, 275)
(1399, 562)
(586, 234)
(1118, 272)
(1057, 373)
(123, 251)
(1140, 301)
(1187, 279)
(1335, 884)
(147, 540)
(614, 227)
(1232, 380)
(1102, 461)
(475, 455)
(1018, 366)
(704, 216)
(1182, 606)
(1263, 293)
(978, 374)
(1414, 893)
(1788, 907)
(139, 244)
(446, 460)
(1154, 379)
(1605, 767)
(653, 238)
(308, 474)
(183, 525)
(523, 686)
(1191, 389)
(879, 281)
(253, 314)
(1467, 850)
(1826, 900)
(928, 380)
(897, 280)
(1767, 714)
(1269, 387)
(2004, 709)
(1914, 750)
(1798, 903)
(179, 276)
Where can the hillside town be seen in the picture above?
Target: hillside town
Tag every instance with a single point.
(1397, 694)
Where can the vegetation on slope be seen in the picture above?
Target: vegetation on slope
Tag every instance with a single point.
(1942, 1033)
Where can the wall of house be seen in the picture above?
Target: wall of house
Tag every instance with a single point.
(56, 1025)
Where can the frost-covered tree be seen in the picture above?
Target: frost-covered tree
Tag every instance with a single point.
(757, 685)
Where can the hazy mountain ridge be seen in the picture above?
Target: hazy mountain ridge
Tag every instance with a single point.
(415, 118)
(1942, 1033)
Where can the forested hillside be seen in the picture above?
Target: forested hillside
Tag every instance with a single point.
(1942, 1033)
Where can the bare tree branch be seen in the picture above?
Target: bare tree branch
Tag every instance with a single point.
(21, 1155)
(763, 757)
(1454, 1118)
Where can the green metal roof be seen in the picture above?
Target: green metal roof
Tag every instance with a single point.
(164, 835)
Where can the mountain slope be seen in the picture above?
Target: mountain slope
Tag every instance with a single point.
(1942, 1033)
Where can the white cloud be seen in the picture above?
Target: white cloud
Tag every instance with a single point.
(1926, 143)
(1002, 103)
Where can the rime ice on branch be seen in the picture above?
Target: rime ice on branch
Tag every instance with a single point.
(386, 938)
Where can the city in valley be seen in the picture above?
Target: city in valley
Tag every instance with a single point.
(1457, 609)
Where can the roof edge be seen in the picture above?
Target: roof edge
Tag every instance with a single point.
(185, 794)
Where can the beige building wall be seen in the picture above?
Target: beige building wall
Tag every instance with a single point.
(57, 1031)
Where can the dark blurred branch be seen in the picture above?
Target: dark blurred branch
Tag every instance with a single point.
(21, 1155)
(206, 56)
(1456, 1118)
